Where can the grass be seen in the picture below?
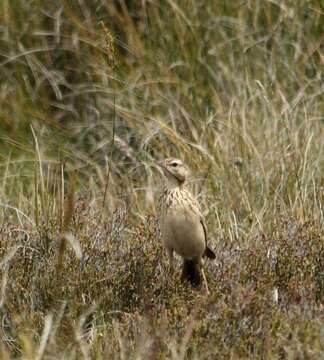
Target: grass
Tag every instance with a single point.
(91, 95)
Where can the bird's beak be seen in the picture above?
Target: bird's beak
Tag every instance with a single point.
(160, 166)
(160, 163)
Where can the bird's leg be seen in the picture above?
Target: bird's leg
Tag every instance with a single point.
(205, 281)
(201, 264)
(171, 259)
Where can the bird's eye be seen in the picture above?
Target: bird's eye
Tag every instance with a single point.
(174, 164)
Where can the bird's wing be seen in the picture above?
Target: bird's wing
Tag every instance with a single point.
(208, 251)
(202, 222)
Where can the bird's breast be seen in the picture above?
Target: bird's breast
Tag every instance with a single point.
(180, 224)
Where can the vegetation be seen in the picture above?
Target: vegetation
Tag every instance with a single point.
(91, 94)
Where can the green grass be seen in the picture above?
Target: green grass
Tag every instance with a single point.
(233, 88)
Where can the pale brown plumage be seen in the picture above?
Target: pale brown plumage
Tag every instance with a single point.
(181, 222)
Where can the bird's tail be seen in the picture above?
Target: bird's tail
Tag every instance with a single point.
(209, 253)
(191, 272)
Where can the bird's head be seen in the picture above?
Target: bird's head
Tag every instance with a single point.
(175, 171)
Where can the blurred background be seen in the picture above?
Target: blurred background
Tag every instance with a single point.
(231, 87)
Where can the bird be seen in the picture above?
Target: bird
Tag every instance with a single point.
(181, 223)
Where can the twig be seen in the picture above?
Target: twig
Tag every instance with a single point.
(111, 56)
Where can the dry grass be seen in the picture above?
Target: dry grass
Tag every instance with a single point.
(234, 89)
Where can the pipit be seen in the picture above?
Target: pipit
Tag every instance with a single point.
(181, 223)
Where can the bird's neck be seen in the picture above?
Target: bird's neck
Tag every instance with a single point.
(175, 184)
